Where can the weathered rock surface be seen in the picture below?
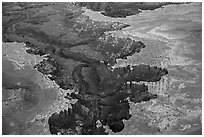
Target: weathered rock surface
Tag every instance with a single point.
(80, 55)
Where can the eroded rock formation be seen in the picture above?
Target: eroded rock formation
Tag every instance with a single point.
(103, 93)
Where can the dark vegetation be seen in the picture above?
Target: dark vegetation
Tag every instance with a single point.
(122, 9)
(103, 93)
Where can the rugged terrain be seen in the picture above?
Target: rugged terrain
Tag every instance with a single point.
(70, 70)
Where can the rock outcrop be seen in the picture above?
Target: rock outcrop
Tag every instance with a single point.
(103, 93)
